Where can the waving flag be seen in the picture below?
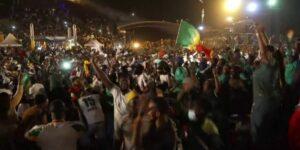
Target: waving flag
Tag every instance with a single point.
(188, 36)
(202, 49)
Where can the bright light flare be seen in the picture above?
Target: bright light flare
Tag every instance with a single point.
(272, 3)
(252, 7)
(233, 5)
(201, 28)
(229, 19)
(67, 65)
(136, 45)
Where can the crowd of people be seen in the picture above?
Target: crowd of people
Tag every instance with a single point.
(80, 99)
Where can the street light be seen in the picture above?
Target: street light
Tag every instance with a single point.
(252, 7)
(66, 24)
(13, 27)
(136, 45)
(201, 28)
(132, 14)
(233, 5)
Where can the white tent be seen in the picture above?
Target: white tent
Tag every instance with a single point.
(94, 44)
(10, 41)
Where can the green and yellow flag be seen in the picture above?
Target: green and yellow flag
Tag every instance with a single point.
(188, 36)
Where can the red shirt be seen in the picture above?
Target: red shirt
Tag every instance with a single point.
(294, 130)
(76, 90)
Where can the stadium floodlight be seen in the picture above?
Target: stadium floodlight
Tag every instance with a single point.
(233, 5)
(252, 7)
(272, 3)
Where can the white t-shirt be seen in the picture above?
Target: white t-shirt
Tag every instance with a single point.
(58, 136)
(142, 81)
(91, 108)
(164, 78)
(120, 108)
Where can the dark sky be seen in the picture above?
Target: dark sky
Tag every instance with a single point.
(170, 10)
(288, 11)
(286, 16)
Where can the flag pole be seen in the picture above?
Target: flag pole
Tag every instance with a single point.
(178, 31)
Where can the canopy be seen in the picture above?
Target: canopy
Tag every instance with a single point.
(94, 44)
(10, 41)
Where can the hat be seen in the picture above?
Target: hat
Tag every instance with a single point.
(36, 89)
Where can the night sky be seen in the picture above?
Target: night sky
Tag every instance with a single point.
(287, 14)
(277, 20)
(172, 10)
(169, 10)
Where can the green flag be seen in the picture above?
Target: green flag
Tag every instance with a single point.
(188, 36)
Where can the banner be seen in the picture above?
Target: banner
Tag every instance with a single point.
(75, 34)
(31, 29)
(31, 34)
(69, 33)
(32, 44)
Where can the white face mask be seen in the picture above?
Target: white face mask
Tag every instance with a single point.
(192, 115)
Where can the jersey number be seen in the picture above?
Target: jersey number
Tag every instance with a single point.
(89, 102)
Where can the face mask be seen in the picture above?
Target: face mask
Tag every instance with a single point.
(192, 115)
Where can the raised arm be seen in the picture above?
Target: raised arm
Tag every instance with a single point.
(101, 75)
(217, 82)
(262, 42)
(19, 93)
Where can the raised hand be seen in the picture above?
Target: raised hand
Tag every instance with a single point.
(21, 78)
